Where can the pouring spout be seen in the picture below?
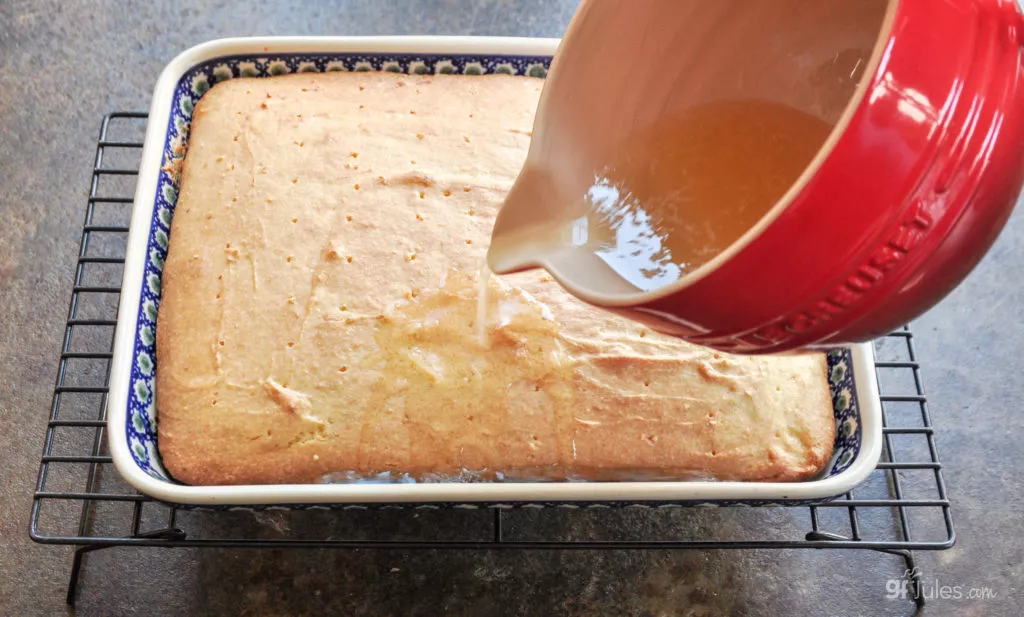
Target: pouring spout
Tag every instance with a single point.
(529, 223)
(534, 229)
(510, 261)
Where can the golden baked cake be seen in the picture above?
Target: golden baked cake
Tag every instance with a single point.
(320, 301)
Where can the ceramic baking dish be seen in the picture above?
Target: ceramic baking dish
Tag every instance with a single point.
(131, 411)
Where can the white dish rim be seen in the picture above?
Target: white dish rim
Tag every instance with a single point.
(863, 367)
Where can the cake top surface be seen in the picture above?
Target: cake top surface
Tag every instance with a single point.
(320, 296)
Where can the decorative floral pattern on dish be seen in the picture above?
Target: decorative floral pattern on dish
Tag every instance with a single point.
(444, 67)
(248, 69)
(537, 70)
(200, 84)
(221, 73)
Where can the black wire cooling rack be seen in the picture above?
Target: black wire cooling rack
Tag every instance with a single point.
(81, 500)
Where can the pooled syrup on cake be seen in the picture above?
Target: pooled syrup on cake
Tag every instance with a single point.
(436, 387)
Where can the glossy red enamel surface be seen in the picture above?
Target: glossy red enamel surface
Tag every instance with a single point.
(913, 194)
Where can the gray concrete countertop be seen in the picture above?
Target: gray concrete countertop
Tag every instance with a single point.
(65, 64)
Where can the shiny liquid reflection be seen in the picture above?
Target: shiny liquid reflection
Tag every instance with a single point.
(682, 191)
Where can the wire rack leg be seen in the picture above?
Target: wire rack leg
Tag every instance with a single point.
(912, 574)
(170, 534)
